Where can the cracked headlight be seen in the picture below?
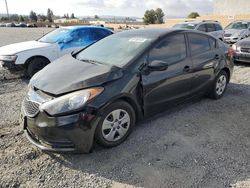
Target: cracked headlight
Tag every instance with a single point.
(70, 102)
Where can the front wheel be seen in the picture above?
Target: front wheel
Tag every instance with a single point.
(220, 85)
(115, 124)
(36, 65)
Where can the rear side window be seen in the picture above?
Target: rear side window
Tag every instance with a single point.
(210, 28)
(170, 50)
(218, 27)
(212, 43)
(202, 28)
(198, 43)
(103, 33)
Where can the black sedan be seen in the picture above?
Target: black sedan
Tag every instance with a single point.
(100, 93)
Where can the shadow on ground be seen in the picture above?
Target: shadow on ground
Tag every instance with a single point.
(203, 143)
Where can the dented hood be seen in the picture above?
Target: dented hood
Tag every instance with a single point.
(69, 74)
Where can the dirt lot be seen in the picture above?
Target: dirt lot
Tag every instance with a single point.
(203, 143)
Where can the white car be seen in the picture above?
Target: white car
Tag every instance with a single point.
(35, 55)
(236, 31)
(213, 28)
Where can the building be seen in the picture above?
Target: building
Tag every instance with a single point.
(231, 7)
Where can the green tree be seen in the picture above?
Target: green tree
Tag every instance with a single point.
(149, 17)
(14, 17)
(159, 16)
(154, 16)
(72, 16)
(33, 16)
(96, 17)
(42, 17)
(21, 18)
(193, 15)
(50, 15)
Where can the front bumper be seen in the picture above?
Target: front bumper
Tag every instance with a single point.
(231, 40)
(73, 133)
(242, 57)
(11, 66)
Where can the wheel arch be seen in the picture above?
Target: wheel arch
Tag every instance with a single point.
(227, 71)
(27, 62)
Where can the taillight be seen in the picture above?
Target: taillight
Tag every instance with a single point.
(231, 52)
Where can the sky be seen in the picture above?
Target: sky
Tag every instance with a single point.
(128, 8)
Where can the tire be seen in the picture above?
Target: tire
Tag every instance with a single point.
(220, 85)
(115, 131)
(36, 65)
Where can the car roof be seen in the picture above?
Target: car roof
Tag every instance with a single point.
(85, 26)
(148, 32)
(199, 21)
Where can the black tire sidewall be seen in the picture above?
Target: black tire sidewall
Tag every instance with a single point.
(113, 106)
(32, 65)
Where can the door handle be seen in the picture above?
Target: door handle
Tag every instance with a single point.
(217, 57)
(186, 69)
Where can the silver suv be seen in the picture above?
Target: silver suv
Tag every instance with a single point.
(236, 31)
(214, 28)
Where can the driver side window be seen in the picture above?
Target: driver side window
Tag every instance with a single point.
(171, 50)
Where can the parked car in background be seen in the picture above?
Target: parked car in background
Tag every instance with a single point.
(21, 24)
(32, 56)
(242, 49)
(213, 28)
(236, 31)
(2, 25)
(100, 92)
(10, 25)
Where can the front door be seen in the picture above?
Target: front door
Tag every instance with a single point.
(173, 84)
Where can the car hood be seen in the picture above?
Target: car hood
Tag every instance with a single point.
(68, 74)
(233, 31)
(22, 46)
(245, 43)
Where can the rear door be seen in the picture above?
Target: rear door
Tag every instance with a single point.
(162, 87)
(205, 57)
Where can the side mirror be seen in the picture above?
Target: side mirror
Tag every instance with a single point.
(157, 65)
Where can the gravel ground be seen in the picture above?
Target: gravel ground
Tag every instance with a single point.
(203, 143)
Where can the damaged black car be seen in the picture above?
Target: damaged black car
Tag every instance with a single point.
(99, 93)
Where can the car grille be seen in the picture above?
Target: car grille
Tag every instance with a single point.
(245, 50)
(228, 35)
(30, 108)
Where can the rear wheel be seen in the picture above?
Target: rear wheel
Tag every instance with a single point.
(36, 65)
(220, 85)
(115, 125)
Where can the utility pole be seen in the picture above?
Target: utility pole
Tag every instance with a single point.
(7, 9)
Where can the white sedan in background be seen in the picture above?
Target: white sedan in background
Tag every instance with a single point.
(33, 56)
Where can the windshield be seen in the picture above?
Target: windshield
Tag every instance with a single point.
(55, 36)
(185, 26)
(238, 25)
(115, 50)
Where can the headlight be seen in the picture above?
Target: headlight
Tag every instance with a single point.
(8, 57)
(70, 102)
(237, 34)
(236, 47)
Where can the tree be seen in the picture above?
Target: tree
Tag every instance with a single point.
(42, 17)
(154, 16)
(159, 16)
(193, 15)
(72, 16)
(96, 17)
(21, 18)
(50, 15)
(149, 17)
(14, 17)
(33, 16)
